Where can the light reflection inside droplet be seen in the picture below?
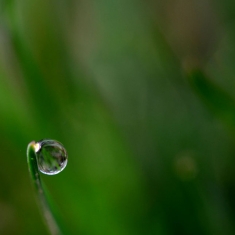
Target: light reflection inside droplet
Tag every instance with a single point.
(37, 147)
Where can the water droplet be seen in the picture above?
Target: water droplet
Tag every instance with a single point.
(51, 156)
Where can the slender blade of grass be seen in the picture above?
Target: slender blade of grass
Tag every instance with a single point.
(47, 212)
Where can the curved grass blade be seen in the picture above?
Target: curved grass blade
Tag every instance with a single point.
(44, 202)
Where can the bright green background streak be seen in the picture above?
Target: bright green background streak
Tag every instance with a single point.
(141, 94)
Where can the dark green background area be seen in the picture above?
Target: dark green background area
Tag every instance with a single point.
(141, 94)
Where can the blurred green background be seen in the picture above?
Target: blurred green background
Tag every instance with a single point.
(141, 94)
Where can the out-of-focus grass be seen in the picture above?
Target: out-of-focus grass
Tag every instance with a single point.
(148, 151)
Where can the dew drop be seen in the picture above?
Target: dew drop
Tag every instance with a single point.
(51, 155)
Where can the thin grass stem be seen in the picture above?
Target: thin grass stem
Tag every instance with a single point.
(46, 209)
